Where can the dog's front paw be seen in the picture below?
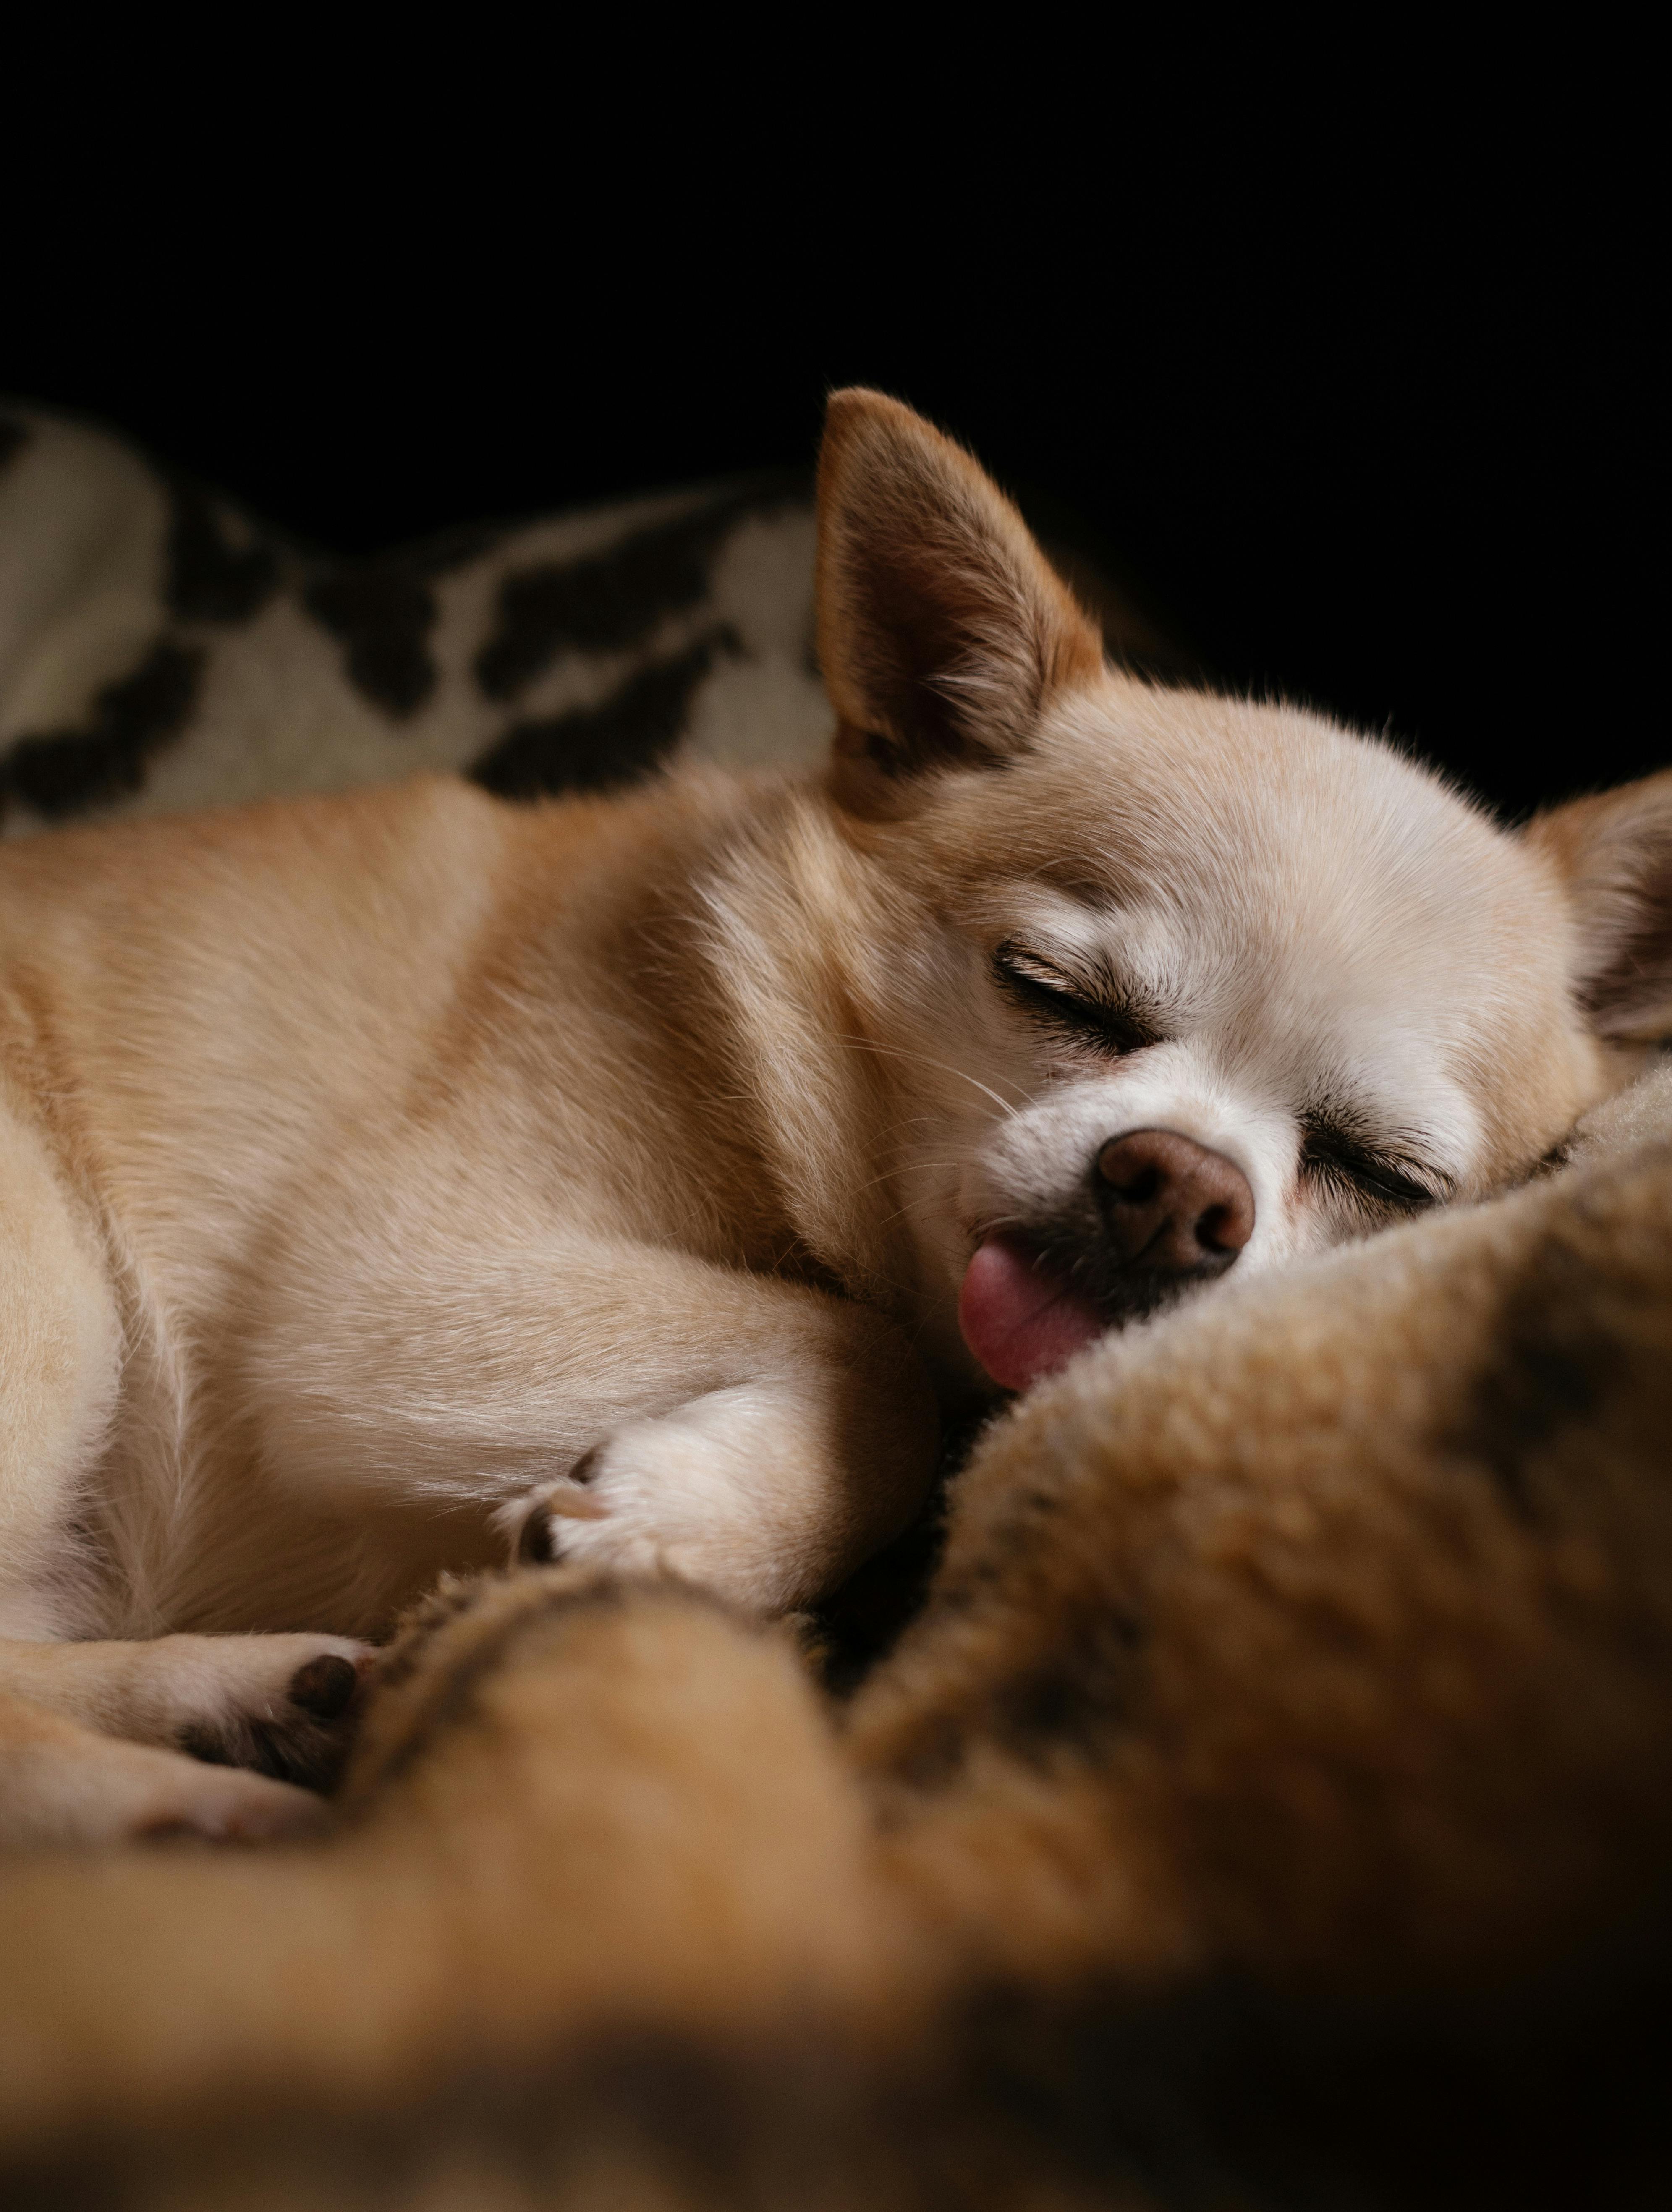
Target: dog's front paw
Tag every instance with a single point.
(595, 1517)
(686, 1493)
(283, 1705)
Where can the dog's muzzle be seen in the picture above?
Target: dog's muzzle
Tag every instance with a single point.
(1157, 1215)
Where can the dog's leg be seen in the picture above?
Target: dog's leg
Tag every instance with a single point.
(749, 1491)
(613, 1403)
(281, 1704)
(60, 1366)
(62, 1783)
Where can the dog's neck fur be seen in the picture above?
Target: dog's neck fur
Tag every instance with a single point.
(762, 917)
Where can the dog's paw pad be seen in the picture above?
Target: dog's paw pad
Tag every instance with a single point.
(324, 1686)
(284, 1705)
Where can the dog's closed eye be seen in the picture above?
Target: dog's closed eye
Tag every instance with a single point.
(1103, 1018)
(1336, 1156)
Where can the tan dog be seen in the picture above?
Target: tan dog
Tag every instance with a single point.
(388, 1181)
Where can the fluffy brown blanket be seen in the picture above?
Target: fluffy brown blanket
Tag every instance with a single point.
(1271, 1804)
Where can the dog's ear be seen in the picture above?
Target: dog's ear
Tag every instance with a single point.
(943, 630)
(1614, 853)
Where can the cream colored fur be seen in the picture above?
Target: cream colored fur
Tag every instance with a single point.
(385, 1178)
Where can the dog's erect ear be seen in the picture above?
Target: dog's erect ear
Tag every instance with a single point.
(943, 630)
(1614, 853)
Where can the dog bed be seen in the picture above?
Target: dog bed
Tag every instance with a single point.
(1270, 1802)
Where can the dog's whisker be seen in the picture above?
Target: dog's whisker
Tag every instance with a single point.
(924, 1199)
(906, 1167)
(899, 1052)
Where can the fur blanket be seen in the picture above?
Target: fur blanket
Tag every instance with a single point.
(1268, 1804)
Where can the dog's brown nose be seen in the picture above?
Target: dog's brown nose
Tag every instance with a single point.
(1171, 1206)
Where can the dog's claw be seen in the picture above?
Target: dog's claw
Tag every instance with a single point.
(574, 1505)
(537, 1545)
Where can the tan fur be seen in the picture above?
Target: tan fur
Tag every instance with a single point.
(403, 1170)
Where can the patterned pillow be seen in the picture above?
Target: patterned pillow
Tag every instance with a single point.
(160, 649)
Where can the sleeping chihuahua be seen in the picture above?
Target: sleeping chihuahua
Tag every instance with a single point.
(396, 1181)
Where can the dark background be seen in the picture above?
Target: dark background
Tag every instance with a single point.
(1362, 410)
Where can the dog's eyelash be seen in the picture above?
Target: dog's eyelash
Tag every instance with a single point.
(1331, 1154)
(1042, 990)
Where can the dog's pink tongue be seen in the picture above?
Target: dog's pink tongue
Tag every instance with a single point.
(1020, 1319)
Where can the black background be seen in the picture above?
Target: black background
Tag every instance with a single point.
(1360, 401)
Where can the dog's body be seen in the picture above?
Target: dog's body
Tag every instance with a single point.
(388, 1181)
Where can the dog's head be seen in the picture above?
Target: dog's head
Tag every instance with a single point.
(1178, 984)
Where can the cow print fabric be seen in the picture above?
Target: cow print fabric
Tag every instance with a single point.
(160, 649)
